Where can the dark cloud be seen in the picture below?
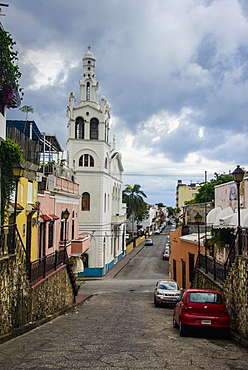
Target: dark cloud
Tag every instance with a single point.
(174, 72)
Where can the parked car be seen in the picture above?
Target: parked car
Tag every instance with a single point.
(167, 292)
(156, 231)
(166, 255)
(148, 242)
(201, 309)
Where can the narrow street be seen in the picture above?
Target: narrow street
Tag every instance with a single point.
(120, 328)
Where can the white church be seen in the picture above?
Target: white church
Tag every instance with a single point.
(98, 170)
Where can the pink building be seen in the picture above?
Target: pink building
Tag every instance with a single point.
(54, 231)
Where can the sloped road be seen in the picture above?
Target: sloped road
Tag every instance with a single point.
(119, 328)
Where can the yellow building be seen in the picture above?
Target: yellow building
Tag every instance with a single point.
(185, 192)
(27, 209)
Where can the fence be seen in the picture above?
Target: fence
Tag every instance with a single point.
(44, 266)
(219, 269)
(210, 264)
(7, 240)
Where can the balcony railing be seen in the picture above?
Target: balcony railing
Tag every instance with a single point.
(118, 219)
(220, 269)
(44, 266)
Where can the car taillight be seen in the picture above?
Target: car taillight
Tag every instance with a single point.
(225, 310)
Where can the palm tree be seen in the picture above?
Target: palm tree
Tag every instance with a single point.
(27, 109)
(133, 197)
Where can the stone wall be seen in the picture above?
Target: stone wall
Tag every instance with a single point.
(15, 295)
(235, 291)
(52, 295)
(236, 295)
(22, 305)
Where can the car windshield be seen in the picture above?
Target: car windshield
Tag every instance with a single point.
(204, 297)
(168, 286)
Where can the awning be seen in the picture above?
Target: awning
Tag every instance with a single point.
(31, 208)
(45, 217)
(211, 216)
(54, 217)
(49, 217)
(19, 208)
(225, 221)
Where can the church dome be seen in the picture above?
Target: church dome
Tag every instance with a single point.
(89, 54)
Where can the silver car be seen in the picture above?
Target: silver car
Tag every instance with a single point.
(166, 292)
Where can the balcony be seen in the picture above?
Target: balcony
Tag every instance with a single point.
(79, 246)
(62, 184)
(118, 219)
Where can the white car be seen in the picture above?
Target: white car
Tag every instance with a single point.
(166, 292)
(156, 231)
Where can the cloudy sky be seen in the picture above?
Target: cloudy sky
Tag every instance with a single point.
(175, 73)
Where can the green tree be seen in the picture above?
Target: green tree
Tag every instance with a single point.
(10, 153)
(133, 197)
(143, 213)
(160, 205)
(27, 109)
(206, 191)
(170, 211)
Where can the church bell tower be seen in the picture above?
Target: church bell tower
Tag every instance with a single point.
(98, 171)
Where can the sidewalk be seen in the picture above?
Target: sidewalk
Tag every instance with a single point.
(111, 273)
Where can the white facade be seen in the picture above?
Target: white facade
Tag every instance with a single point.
(98, 170)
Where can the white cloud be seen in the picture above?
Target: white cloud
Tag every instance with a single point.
(48, 66)
(174, 72)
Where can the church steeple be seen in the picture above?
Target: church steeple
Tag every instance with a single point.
(88, 83)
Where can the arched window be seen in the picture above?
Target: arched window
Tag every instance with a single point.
(94, 128)
(86, 160)
(79, 128)
(85, 201)
(106, 163)
(88, 91)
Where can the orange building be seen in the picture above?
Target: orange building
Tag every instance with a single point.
(183, 255)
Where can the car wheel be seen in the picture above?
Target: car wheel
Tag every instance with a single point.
(156, 303)
(175, 324)
(182, 330)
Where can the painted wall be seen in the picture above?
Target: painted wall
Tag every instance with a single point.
(54, 204)
(179, 251)
(27, 196)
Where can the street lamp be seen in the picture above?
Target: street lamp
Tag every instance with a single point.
(238, 175)
(66, 215)
(17, 170)
(198, 220)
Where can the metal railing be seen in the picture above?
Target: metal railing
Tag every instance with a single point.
(217, 268)
(7, 240)
(212, 265)
(44, 266)
(11, 243)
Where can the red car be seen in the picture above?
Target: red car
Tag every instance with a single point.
(166, 255)
(201, 309)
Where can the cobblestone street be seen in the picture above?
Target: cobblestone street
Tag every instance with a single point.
(118, 327)
(120, 331)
